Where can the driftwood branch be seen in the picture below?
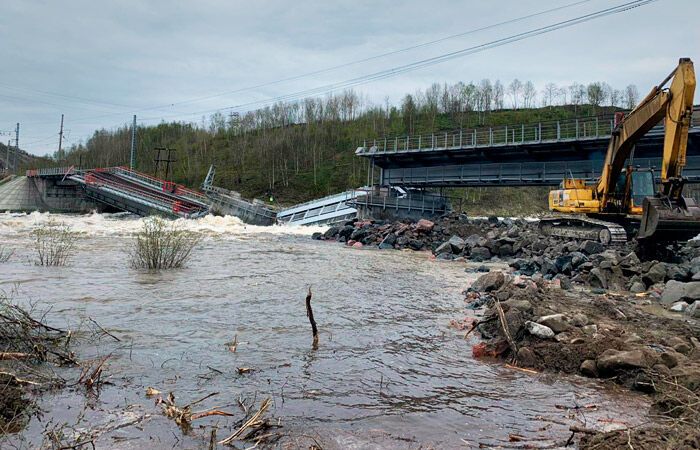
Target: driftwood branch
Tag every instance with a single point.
(310, 315)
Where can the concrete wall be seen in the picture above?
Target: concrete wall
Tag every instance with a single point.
(46, 195)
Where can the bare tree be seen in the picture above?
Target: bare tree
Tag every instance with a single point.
(549, 94)
(498, 92)
(515, 90)
(631, 96)
(529, 95)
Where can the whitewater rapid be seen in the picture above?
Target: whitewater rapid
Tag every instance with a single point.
(124, 224)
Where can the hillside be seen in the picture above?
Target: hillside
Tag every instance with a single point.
(276, 152)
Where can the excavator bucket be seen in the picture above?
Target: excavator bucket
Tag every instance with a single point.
(664, 220)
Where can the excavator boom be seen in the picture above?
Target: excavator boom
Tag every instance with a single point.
(669, 216)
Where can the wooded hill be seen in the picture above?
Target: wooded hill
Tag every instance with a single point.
(303, 150)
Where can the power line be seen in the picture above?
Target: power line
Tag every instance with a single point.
(430, 61)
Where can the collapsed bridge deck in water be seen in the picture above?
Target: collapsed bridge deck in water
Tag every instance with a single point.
(129, 190)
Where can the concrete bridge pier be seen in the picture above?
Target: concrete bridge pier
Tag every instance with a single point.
(56, 195)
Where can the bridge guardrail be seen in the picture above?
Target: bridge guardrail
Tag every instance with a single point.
(577, 129)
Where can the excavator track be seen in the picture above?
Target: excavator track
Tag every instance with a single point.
(584, 228)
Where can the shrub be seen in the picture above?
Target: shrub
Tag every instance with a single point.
(54, 243)
(5, 254)
(162, 244)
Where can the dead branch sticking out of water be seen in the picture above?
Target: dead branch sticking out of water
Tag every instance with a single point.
(255, 423)
(506, 332)
(91, 375)
(310, 315)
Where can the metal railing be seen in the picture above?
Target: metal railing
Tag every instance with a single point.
(167, 186)
(224, 197)
(50, 171)
(423, 203)
(577, 129)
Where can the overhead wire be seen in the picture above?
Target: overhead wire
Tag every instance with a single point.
(425, 62)
(324, 70)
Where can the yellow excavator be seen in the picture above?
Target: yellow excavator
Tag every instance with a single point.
(623, 203)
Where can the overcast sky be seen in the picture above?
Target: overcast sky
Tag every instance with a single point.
(100, 62)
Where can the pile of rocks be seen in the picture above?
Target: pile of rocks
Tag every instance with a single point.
(519, 243)
(594, 336)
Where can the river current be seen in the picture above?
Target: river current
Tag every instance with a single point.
(388, 372)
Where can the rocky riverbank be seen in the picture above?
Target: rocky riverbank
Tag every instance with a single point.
(617, 314)
(674, 282)
(623, 338)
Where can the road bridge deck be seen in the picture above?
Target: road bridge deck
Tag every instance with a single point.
(515, 155)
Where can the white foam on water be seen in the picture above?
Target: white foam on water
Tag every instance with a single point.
(97, 224)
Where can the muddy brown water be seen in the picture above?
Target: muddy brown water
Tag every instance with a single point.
(389, 372)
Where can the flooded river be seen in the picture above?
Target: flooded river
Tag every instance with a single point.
(388, 372)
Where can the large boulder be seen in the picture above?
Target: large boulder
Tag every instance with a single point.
(388, 242)
(678, 291)
(474, 240)
(489, 282)
(613, 361)
(359, 234)
(656, 274)
(443, 249)
(556, 322)
(591, 247)
(598, 279)
(424, 226)
(346, 231)
(416, 244)
(541, 331)
(480, 254)
(457, 244)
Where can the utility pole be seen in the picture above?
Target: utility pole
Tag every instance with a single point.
(60, 141)
(132, 161)
(166, 160)
(16, 145)
(7, 160)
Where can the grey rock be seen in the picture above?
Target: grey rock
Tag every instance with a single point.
(656, 274)
(480, 254)
(590, 329)
(457, 244)
(637, 287)
(489, 282)
(331, 233)
(579, 320)
(694, 310)
(679, 307)
(317, 236)
(675, 291)
(526, 357)
(522, 305)
(598, 280)
(557, 322)
(443, 248)
(613, 361)
(591, 247)
(589, 368)
(538, 330)
(677, 272)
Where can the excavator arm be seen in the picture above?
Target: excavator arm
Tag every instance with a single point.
(668, 216)
(675, 105)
